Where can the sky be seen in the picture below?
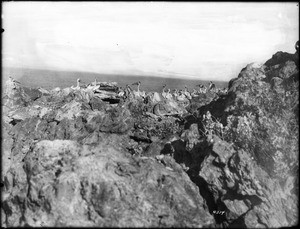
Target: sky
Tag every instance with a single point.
(199, 40)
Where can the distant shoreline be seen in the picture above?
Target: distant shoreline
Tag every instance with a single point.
(56, 78)
(113, 74)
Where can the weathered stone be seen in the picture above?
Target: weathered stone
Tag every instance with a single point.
(117, 164)
(242, 186)
(73, 185)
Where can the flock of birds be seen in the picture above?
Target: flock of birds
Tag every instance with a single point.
(165, 94)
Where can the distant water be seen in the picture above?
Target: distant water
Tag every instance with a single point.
(50, 79)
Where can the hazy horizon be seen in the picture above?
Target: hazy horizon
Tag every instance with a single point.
(197, 40)
(56, 78)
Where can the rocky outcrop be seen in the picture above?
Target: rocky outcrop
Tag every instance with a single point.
(91, 157)
(246, 194)
(238, 187)
(64, 183)
(279, 73)
(73, 159)
(168, 107)
(238, 192)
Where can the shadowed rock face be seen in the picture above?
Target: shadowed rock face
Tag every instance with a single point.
(238, 190)
(244, 191)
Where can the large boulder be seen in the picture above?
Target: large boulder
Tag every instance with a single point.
(77, 185)
(282, 57)
(169, 107)
(243, 192)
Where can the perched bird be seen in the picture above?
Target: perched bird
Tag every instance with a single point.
(121, 93)
(93, 86)
(13, 83)
(129, 92)
(138, 85)
(201, 88)
(168, 94)
(13, 80)
(181, 96)
(194, 93)
(164, 93)
(187, 93)
(78, 85)
(138, 93)
(211, 86)
(175, 93)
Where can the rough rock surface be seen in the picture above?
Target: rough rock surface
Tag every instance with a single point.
(83, 157)
(244, 191)
(68, 184)
(238, 191)
(64, 166)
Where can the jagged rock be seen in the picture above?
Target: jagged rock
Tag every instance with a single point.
(73, 185)
(44, 91)
(14, 95)
(191, 136)
(200, 101)
(154, 149)
(178, 150)
(7, 145)
(168, 107)
(117, 120)
(97, 103)
(117, 164)
(243, 190)
(282, 71)
(282, 57)
(32, 93)
(276, 83)
(70, 111)
(55, 90)
(251, 73)
(141, 135)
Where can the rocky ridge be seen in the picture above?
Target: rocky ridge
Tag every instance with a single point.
(85, 158)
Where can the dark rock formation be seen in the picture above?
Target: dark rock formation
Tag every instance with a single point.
(68, 184)
(239, 186)
(244, 191)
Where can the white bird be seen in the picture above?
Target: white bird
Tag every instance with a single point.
(121, 93)
(164, 93)
(194, 93)
(129, 92)
(181, 96)
(187, 93)
(93, 86)
(175, 93)
(13, 80)
(156, 97)
(78, 85)
(138, 93)
(169, 95)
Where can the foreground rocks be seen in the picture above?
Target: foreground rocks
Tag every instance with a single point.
(74, 158)
(69, 184)
(245, 192)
